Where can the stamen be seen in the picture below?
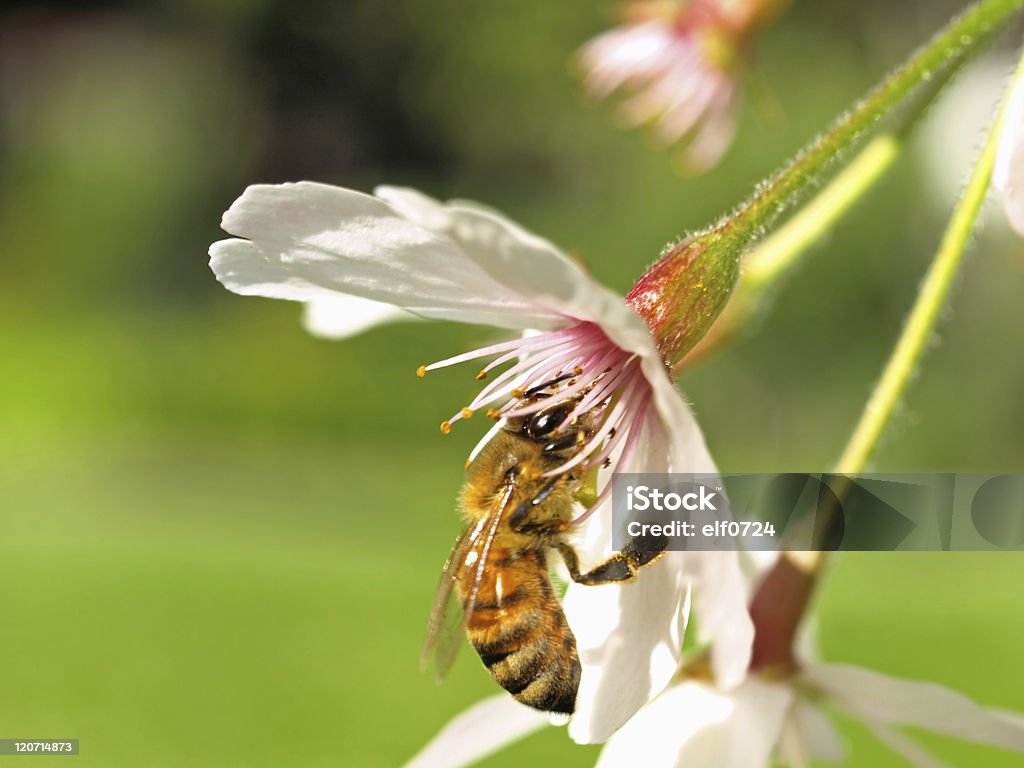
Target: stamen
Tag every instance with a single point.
(421, 371)
(578, 366)
(636, 429)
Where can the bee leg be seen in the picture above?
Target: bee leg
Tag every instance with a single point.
(620, 567)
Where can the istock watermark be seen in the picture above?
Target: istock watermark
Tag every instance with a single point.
(870, 512)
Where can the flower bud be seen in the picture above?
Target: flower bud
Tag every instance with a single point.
(682, 294)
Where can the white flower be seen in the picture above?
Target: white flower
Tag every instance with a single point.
(694, 724)
(459, 261)
(1008, 174)
(760, 723)
(681, 60)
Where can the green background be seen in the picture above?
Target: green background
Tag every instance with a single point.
(219, 537)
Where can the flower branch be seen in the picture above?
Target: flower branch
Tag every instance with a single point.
(785, 593)
(925, 313)
(682, 294)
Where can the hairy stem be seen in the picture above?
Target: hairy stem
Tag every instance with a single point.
(925, 314)
(785, 593)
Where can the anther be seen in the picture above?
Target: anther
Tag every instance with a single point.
(481, 376)
(446, 427)
(466, 412)
(578, 370)
(421, 371)
(493, 414)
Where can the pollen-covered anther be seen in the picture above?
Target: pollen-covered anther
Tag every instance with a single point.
(466, 412)
(421, 371)
(518, 393)
(493, 414)
(577, 371)
(446, 427)
(481, 376)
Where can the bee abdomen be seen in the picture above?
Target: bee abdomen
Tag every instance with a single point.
(536, 661)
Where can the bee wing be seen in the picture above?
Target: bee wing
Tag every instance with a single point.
(444, 630)
(467, 561)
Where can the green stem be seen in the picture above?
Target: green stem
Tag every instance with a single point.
(923, 317)
(785, 593)
(775, 256)
(962, 36)
(682, 295)
(780, 251)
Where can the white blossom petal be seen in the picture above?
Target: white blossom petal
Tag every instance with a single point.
(527, 264)
(1008, 174)
(481, 730)
(694, 724)
(820, 735)
(623, 54)
(680, 90)
(340, 317)
(909, 750)
(723, 618)
(307, 241)
(629, 636)
(720, 589)
(873, 696)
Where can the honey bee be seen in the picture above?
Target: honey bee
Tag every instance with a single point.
(497, 572)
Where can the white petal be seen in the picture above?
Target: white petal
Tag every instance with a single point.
(889, 700)
(687, 451)
(308, 241)
(722, 617)
(629, 639)
(1008, 174)
(516, 258)
(625, 54)
(909, 750)
(720, 589)
(696, 725)
(533, 267)
(340, 317)
(819, 733)
(481, 730)
(630, 635)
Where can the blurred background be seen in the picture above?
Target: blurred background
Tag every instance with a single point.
(219, 537)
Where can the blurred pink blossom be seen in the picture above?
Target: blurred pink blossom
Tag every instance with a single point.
(683, 62)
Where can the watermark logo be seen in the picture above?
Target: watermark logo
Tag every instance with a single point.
(870, 512)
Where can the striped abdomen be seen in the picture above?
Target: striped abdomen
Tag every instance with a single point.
(520, 632)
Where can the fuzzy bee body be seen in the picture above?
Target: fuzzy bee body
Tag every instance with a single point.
(518, 501)
(497, 573)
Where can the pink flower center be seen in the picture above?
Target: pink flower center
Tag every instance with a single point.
(579, 364)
